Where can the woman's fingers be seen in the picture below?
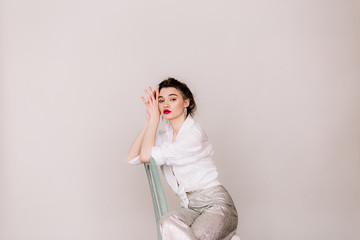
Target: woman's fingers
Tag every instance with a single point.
(151, 102)
(152, 93)
(144, 100)
(147, 95)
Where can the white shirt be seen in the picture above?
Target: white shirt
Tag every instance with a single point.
(187, 163)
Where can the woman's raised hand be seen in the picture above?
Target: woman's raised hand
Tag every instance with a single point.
(151, 103)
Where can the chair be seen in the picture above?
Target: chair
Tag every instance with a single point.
(158, 196)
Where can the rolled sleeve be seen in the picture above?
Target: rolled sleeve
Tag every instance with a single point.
(157, 155)
(135, 161)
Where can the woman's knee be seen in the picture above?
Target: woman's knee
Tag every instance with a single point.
(179, 217)
(166, 219)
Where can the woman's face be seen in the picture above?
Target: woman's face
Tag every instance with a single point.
(171, 103)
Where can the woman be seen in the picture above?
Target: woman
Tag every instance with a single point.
(186, 157)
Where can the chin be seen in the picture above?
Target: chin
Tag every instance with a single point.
(166, 116)
(171, 116)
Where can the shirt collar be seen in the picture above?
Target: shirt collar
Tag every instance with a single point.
(186, 124)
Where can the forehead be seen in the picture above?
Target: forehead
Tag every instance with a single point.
(164, 92)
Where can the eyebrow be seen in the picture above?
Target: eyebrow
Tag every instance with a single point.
(173, 94)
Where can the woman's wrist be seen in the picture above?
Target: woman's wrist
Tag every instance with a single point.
(147, 121)
(154, 118)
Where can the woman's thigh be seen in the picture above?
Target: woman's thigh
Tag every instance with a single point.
(184, 215)
(176, 224)
(218, 216)
(216, 222)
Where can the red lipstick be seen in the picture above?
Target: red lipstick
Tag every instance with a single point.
(166, 111)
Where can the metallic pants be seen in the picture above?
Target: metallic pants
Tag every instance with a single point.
(211, 215)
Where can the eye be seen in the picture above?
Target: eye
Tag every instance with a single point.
(173, 99)
(161, 101)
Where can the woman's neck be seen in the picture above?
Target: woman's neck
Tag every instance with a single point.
(176, 124)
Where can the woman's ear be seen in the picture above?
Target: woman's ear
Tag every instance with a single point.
(186, 102)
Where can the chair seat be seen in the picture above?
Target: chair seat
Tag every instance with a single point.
(235, 237)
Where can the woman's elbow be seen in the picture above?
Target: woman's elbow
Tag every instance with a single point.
(144, 158)
(132, 158)
(128, 159)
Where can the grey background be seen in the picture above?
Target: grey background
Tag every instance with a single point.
(277, 85)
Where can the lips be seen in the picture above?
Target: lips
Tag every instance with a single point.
(166, 111)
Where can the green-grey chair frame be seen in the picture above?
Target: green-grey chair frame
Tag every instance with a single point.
(158, 196)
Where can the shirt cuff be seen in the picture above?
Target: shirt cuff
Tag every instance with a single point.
(135, 161)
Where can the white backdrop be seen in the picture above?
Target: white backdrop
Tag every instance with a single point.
(278, 90)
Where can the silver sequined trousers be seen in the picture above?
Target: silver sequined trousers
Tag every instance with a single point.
(211, 215)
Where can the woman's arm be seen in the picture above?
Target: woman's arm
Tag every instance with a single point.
(148, 142)
(191, 146)
(135, 147)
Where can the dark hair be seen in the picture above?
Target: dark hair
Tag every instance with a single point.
(183, 89)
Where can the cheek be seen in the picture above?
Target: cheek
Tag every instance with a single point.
(178, 105)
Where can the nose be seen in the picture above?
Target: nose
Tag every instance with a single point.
(166, 104)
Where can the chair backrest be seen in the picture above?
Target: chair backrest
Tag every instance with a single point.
(158, 196)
